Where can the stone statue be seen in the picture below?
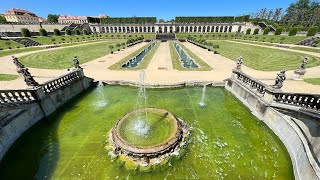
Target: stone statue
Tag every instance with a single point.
(17, 63)
(299, 73)
(239, 63)
(279, 80)
(28, 78)
(76, 63)
(304, 63)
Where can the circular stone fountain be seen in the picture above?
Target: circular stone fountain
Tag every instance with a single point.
(148, 136)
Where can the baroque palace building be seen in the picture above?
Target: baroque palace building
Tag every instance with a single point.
(172, 28)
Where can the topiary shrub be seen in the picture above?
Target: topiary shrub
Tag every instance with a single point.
(256, 31)
(68, 31)
(293, 31)
(248, 31)
(266, 31)
(312, 31)
(278, 31)
(77, 32)
(84, 32)
(56, 32)
(43, 32)
(25, 32)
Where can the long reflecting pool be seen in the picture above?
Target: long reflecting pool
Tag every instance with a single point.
(226, 140)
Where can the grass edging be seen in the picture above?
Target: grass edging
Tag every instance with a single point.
(144, 63)
(8, 77)
(314, 81)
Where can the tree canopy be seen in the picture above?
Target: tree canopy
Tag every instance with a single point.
(302, 12)
(52, 18)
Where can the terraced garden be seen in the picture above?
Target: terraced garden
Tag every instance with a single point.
(62, 58)
(264, 59)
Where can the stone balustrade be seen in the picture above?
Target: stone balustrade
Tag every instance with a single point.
(61, 81)
(251, 82)
(16, 97)
(306, 101)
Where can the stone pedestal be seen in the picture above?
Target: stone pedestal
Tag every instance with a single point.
(298, 74)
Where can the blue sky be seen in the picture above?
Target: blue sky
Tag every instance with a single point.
(165, 9)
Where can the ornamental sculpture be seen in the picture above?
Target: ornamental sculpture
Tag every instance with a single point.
(17, 63)
(28, 78)
(25, 72)
(281, 77)
(76, 63)
(239, 63)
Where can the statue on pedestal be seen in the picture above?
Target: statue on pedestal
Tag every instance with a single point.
(28, 78)
(239, 63)
(299, 73)
(76, 63)
(279, 80)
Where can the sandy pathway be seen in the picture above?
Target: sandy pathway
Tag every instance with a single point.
(161, 59)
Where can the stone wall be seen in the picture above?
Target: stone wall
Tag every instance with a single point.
(15, 120)
(303, 162)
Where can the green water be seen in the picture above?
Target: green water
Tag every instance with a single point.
(141, 131)
(226, 139)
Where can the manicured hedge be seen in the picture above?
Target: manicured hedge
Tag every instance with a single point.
(248, 31)
(84, 32)
(77, 32)
(256, 31)
(278, 31)
(43, 32)
(68, 31)
(25, 32)
(293, 31)
(312, 31)
(129, 20)
(266, 31)
(56, 32)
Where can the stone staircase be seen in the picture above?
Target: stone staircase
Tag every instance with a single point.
(26, 42)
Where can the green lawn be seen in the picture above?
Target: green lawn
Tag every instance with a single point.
(315, 81)
(265, 38)
(309, 49)
(62, 58)
(8, 77)
(264, 59)
(5, 44)
(16, 51)
(178, 65)
(273, 38)
(144, 63)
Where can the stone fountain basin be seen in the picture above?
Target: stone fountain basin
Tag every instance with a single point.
(159, 134)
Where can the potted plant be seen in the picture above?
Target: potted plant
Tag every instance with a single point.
(215, 47)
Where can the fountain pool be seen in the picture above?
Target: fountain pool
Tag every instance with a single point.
(226, 140)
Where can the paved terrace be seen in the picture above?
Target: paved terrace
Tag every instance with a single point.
(160, 70)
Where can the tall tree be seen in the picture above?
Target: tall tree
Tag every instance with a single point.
(277, 14)
(52, 18)
(302, 12)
